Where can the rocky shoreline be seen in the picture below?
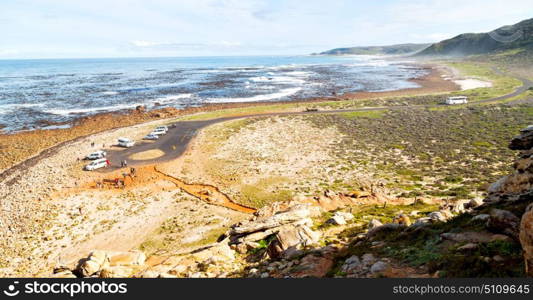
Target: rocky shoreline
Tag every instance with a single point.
(21, 146)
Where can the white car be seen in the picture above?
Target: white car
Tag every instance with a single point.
(125, 142)
(151, 136)
(96, 155)
(163, 127)
(96, 164)
(159, 132)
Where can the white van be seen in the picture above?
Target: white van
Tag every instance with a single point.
(96, 164)
(162, 128)
(125, 142)
(96, 155)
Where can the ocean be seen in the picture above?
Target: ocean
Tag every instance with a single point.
(34, 92)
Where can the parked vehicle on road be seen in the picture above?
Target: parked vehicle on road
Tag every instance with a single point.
(151, 136)
(125, 142)
(163, 127)
(97, 164)
(96, 155)
(159, 132)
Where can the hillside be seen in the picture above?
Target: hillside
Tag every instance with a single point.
(377, 50)
(513, 37)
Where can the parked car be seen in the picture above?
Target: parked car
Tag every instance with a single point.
(151, 136)
(96, 155)
(125, 142)
(163, 127)
(96, 164)
(159, 132)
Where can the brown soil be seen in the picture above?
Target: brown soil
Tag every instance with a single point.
(149, 174)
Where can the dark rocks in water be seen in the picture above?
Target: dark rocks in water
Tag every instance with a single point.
(140, 108)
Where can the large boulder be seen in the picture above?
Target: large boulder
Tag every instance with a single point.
(131, 258)
(505, 222)
(526, 238)
(390, 227)
(92, 264)
(292, 238)
(296, 213)
(474, 237)
(220, 251)
(524, 141)
(116, 272)
(312, 266)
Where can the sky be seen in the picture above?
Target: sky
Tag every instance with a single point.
(146, 28)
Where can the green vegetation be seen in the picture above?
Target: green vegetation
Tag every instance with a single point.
(501, 85)
(422, 246)
(259, 194)
(371, 114)
(483, 43)
(378, 50)
(448, 154)
(259, 109)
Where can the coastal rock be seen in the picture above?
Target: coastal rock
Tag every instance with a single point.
(505, 222)
(296, 213)
(312, 266)
(439, 216)
(384, 228)
(132, 258)
(476, 202)
(96, 260)
(379, 267)
(524, 141)
(374, 223)
(526, 238)
(116, 272)
(474, 237)
(352, 265)
(481, 217)
(291, 239)
(340, 218)
(402, 219)
(468, 247)
(220, 251)
(336, 220)
(368, 259)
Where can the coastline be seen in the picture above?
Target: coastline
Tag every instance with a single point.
(21, 146)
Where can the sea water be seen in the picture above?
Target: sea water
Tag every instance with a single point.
(61, 90)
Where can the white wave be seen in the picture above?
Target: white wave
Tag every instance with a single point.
(5, 108)
(278, 79)
(66, 112)
(171, 98)
(281, 94)
(110, 93)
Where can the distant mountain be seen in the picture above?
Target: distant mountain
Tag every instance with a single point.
(517, 36)
(400, 49)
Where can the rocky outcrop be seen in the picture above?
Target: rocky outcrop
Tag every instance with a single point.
(516, 188)
(288, 231)
(524, 141)
(526, 238)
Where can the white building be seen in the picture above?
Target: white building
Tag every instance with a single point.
(457, 100)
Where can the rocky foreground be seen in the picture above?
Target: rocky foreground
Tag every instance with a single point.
(324, 237)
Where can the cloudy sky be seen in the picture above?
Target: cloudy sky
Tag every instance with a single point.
(135, 28)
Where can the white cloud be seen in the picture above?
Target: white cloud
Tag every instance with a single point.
(78, 28)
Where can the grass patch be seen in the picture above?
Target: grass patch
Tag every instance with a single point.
(371, 114)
